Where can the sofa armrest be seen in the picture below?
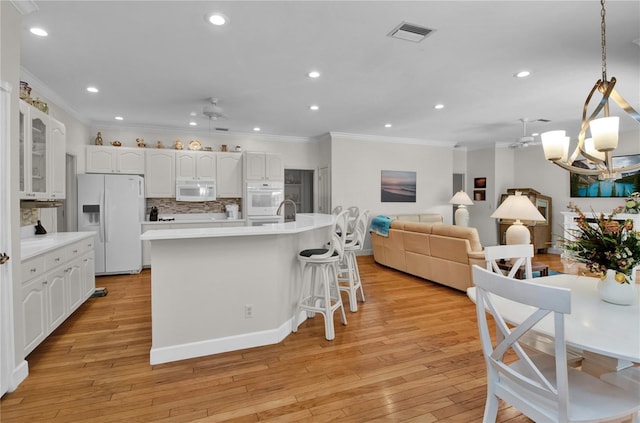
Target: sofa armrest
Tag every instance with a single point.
(476, 255)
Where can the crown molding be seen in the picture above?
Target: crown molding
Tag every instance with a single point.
(41, 88)
(393, 140)
(25, 7)
(230, 136)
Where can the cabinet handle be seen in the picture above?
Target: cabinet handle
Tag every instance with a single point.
(67, 270)
(75, 251)
(44, 282)
(33, 270)
(57, 259)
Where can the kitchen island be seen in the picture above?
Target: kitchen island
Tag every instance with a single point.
(222, 289)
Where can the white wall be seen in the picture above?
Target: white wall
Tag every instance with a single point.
(482, 164)
(357, 162)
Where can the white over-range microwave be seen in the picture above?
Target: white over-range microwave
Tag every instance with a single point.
(191, 190)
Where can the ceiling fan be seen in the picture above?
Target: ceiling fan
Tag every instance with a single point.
(213, 111)
(527, 140)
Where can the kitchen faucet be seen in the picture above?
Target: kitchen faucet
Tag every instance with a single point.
(281, 206)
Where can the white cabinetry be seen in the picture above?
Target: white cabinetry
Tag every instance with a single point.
(160, 173)
(195, 165)
(125, 160)
(54, 284)
(228, 175)
(41, 155)
(263, 166)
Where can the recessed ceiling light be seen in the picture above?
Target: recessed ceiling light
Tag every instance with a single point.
(438, 106)
(39, 32)
(313, 74)
(256, 129)
(314, 107)
(217, 19)
(192, 123)
(118, 118)
(92, 89)
(388, 125)
(522, 74)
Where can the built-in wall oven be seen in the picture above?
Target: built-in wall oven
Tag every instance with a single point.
(263, 198)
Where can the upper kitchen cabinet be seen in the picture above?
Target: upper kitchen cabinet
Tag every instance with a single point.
(125, 160)
(263, 166)
(160, 173)
(195, 165)
(229, 175)
(41, 155)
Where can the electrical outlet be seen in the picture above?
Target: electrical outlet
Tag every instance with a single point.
(248, 311)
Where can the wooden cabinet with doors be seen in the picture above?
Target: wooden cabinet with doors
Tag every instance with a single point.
(195, 165)
(259, 166)
(541, 237)
(41, 155)
(104, 159)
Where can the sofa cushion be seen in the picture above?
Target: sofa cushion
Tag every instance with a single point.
(464, 232)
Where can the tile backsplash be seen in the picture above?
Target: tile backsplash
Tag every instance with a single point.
(29, 216)
(171, 206)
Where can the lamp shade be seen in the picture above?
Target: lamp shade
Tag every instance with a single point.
(518, 207)
(461, 198)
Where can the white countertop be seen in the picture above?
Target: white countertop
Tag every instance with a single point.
(191, 218)
(36, 245)
(304, 222)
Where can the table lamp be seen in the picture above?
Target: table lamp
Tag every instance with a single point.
(462, 214)
(518, 207)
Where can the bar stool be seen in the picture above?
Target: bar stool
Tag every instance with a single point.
(349, 275)
(320, 292)
(352, 217)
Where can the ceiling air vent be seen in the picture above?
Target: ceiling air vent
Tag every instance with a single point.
(222, 129)
(410, 32)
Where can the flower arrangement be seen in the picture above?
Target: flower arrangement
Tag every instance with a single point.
(605, 243)
(631, 204)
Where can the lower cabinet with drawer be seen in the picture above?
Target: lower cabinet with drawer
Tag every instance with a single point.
(54, 285)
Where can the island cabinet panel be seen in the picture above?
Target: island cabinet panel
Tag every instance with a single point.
(269, 287)
(101, 159)
(160, 173)
(54, 284)
(195, 165)
(229, 175)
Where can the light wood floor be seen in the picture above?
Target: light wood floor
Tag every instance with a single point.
(411, 353)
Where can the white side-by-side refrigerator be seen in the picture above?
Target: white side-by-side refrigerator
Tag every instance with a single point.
(113, 207)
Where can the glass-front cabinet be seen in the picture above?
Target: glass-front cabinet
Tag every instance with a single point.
(39, 155)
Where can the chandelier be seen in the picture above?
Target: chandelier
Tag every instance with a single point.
(599, 148)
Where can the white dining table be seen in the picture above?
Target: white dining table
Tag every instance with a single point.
(593, 326)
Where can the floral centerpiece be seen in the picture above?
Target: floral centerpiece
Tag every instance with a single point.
(631, 204)
(604, 243)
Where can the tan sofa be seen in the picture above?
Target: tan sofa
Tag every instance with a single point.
(435, 251)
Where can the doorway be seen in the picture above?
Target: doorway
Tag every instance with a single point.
(298, 187)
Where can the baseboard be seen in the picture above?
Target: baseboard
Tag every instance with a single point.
(221, 345)
(19, 374)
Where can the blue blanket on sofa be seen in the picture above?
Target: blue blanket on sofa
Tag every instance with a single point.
(380, 225)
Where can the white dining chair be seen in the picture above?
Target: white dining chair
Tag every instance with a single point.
(542, 387)
(519, 254)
